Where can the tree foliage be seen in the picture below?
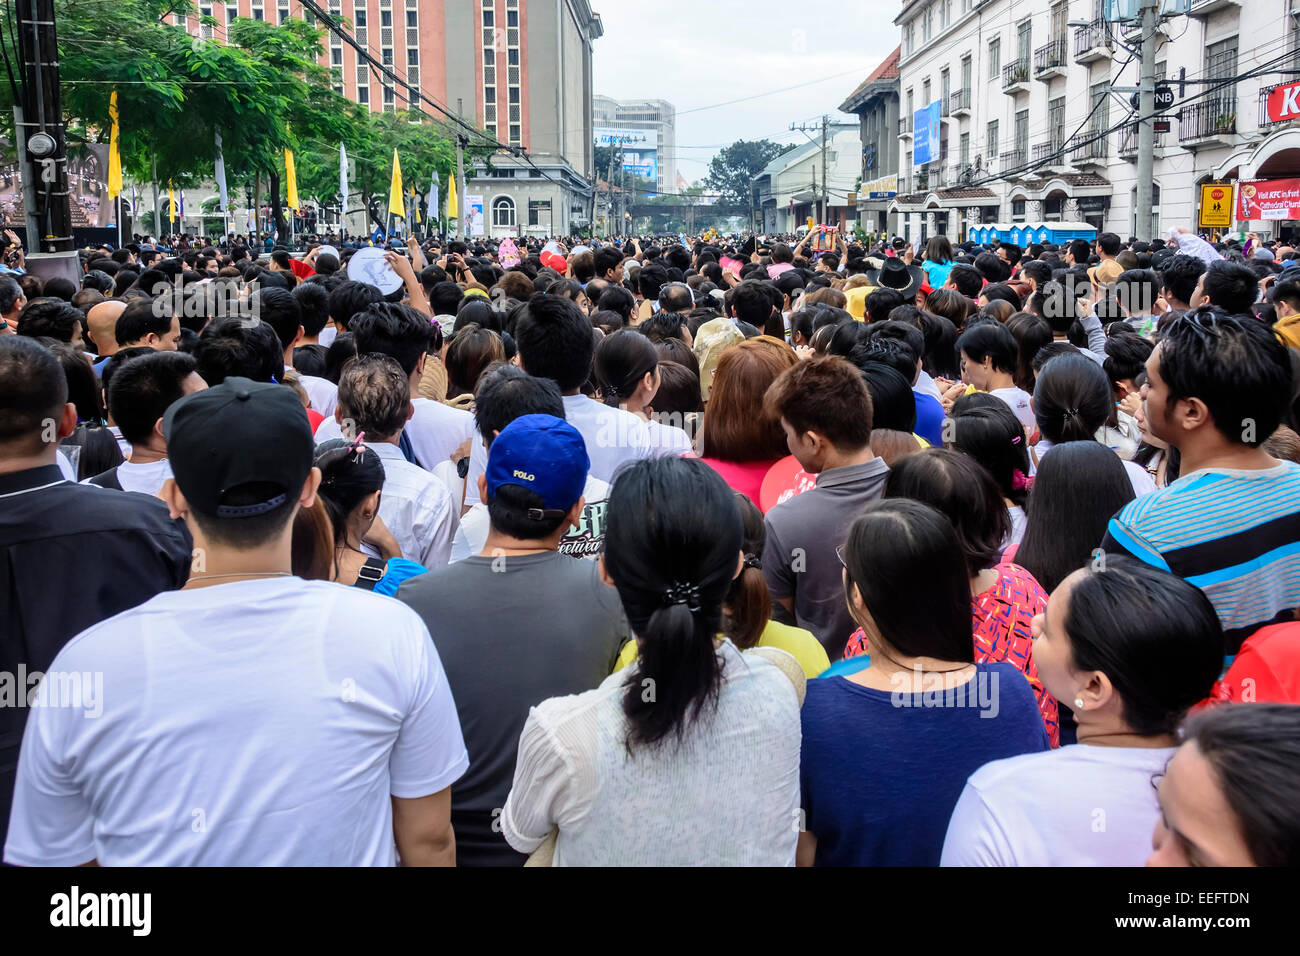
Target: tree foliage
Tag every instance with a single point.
(734, 167)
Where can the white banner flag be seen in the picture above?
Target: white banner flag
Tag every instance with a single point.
(221, 176)
(343, 178)
(431, 210)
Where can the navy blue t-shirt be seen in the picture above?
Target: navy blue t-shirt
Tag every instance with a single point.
(880, 772)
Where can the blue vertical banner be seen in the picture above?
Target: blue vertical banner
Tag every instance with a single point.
(925, 134)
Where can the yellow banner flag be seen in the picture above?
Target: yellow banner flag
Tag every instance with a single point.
(171, 202)
(114, 155)
(395, 205)
(290, 180)
(453, 207)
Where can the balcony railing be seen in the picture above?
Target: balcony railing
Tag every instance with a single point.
(905, 126)
(959, 102)
(1049, 152)
(957, 173)
(1014, 74)
(1207, 119)
(1090, 42)
(1012, 159)
(1263, 108)
(1050, 58)
(1128, 140)
(1085, 151)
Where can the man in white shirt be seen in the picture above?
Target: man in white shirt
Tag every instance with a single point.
(504, 394)
(280, 310)
(139, 394)
(417, 508)
(556, 341)
(398, 331)
(252, 718)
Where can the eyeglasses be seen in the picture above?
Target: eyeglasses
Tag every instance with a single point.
(839, 553)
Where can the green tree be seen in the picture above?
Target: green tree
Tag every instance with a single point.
(733, 169)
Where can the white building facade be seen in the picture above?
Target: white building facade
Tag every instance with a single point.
(659, 118)
(1032, 128)
(791, 186)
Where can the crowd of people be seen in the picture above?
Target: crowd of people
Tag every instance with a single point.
(734, 550)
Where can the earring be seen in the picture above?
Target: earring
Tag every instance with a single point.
(1078, 703)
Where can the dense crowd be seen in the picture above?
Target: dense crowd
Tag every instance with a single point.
(726, 550)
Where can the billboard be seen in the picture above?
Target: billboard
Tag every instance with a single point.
(640, 151)
(925, 134)
(1269, 199)
(474, 206)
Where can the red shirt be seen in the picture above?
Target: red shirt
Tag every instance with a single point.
(743, 476)
(1266, 670)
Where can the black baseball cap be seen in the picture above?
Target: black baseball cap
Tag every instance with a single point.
(235, 434)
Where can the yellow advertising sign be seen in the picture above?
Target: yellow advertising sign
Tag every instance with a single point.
(1216, 206)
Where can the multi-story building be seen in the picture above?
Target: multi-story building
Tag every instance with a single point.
(518, 69)
(654, 145)
(875, 101)
(791, 187)
(1036, 120)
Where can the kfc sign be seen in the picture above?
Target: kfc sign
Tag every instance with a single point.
(1283, 103)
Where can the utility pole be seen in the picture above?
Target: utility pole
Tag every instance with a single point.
(826, 183)
(1146, 131)
(460, 175)
(45, 165)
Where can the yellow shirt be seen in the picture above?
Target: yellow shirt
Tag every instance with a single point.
(795, 641)
(1289, 329)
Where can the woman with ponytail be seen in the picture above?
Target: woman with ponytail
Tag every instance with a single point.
(626, 368)
(691, 755)
(352, 479)
(747, 612)
(1073, 401)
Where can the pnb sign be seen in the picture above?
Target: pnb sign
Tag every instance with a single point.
(1283, 103)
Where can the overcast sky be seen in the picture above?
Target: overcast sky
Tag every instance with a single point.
(699, 53)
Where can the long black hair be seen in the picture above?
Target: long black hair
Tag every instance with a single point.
(673, 538)
(908, 567)
(348, 477)
(1072, 399)
(622, 360)
(1079, 488)
(985, 427)
(749, 603)
(1155, 637)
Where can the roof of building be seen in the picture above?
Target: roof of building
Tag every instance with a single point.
(1070, 179)
(887, 71)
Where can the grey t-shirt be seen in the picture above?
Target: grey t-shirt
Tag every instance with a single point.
(799, 554)
(511, 631)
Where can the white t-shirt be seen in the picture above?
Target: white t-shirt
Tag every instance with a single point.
(146, 478)
(668, 439)
(585, 541)
(435, 430)
(1018, 521)
(252, 723)
(613, 435)
(1018, 399)
(323, 393)
(728, 795)
(1076, 806)
(417, 508)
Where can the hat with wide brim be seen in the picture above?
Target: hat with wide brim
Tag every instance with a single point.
(895, 274)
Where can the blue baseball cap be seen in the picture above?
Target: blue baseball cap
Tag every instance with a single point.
(543, 454)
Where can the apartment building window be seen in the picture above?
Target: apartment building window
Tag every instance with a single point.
(1022, 132)
(963, 150)
(412, 57)
(945, 86)
(231, 13)
(995, 58)
(512, 18)
(489, 18)
(965, 72)
(908, 118)
(388, 96)
(909, 38)
(1060, 16)
(927, 26)
(925, 94)
(1017, 210)
(283, 13)
(1056, 121)
(991, 139)
(1024, 40)
(503, 211)
(336, 56)
(412, 18)
(1100, 103)
(1221, 64)
(363, 95)
(258, 12)
(945, 14)
(387, 56)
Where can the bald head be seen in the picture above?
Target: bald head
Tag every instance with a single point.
(102, 323)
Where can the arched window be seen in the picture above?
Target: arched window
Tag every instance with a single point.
(503, 211)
